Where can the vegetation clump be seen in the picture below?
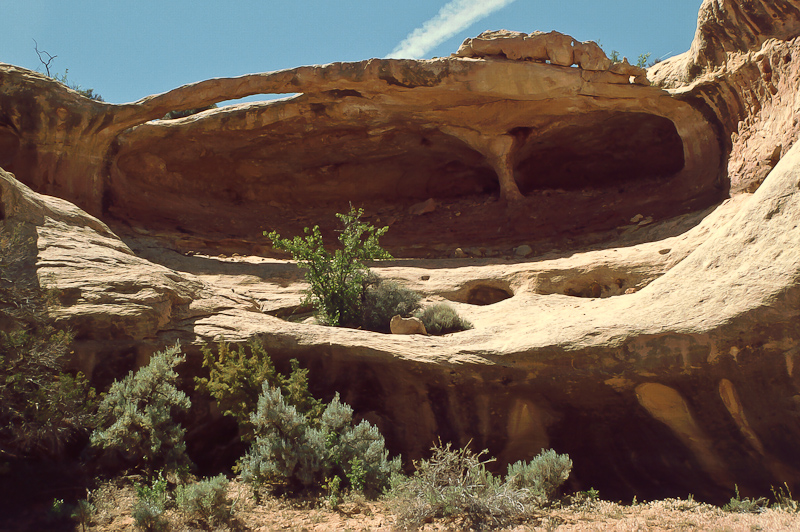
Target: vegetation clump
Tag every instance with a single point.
(289, 452)
(151, 504)
(42, 406)
(542, 476)
(385, 299)
(745, 505)
(138, 415)
(457, 483)
(441, 318)
(205, 501)
(337, 280)
(237, 376)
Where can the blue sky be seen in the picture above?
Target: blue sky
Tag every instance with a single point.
(126, 50)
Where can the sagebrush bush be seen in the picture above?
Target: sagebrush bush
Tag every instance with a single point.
(151, 503)
(205, 501)
(358, 453)
(745, 505)
(137, 415)
(441, 318)
(382, 301)
(289, 451)
(457, 483)
(337, 280)
(453, 483)
(543, 475)
(236, 379)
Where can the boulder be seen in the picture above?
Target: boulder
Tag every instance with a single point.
(589, 56)
(401, 325)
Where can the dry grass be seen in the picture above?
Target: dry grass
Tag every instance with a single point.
(115, 500)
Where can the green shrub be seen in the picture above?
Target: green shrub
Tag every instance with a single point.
(453, 483)
(236, 380)
(150, 505)
(382, 301)
(441, 318)
(137, 415)
(357, 453)
(456, 483)
(543, 475)
(205, 501)
(337, 280)
(745, 505)
(285, 449)
(289, 452)
(86, 93)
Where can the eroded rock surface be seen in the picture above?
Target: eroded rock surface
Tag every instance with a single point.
(652, 332)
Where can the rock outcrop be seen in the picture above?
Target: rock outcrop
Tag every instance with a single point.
(364, 132)
(659, 343)
(401, 325)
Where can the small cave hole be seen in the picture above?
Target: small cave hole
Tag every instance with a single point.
(487, 295)
(482, 293)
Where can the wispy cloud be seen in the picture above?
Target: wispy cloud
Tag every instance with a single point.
(454, 16)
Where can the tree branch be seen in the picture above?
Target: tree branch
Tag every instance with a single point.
(49, 60)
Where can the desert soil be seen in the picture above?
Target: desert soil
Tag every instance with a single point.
(114, 504)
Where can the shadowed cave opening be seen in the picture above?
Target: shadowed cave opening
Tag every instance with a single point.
(603, 150)
(482, 292)
(330, 165)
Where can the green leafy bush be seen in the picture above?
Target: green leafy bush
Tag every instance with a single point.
(441, 318)
(382, 301)
(236, 378)
(137, 415)
(289, 451)
(456, 483)
(337, 280)
(205, 501)
(150, 505)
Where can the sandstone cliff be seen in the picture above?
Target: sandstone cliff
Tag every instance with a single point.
(652, 333)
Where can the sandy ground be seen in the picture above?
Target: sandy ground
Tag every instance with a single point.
(114, 504)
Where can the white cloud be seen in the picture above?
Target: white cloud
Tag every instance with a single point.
(454, 16)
